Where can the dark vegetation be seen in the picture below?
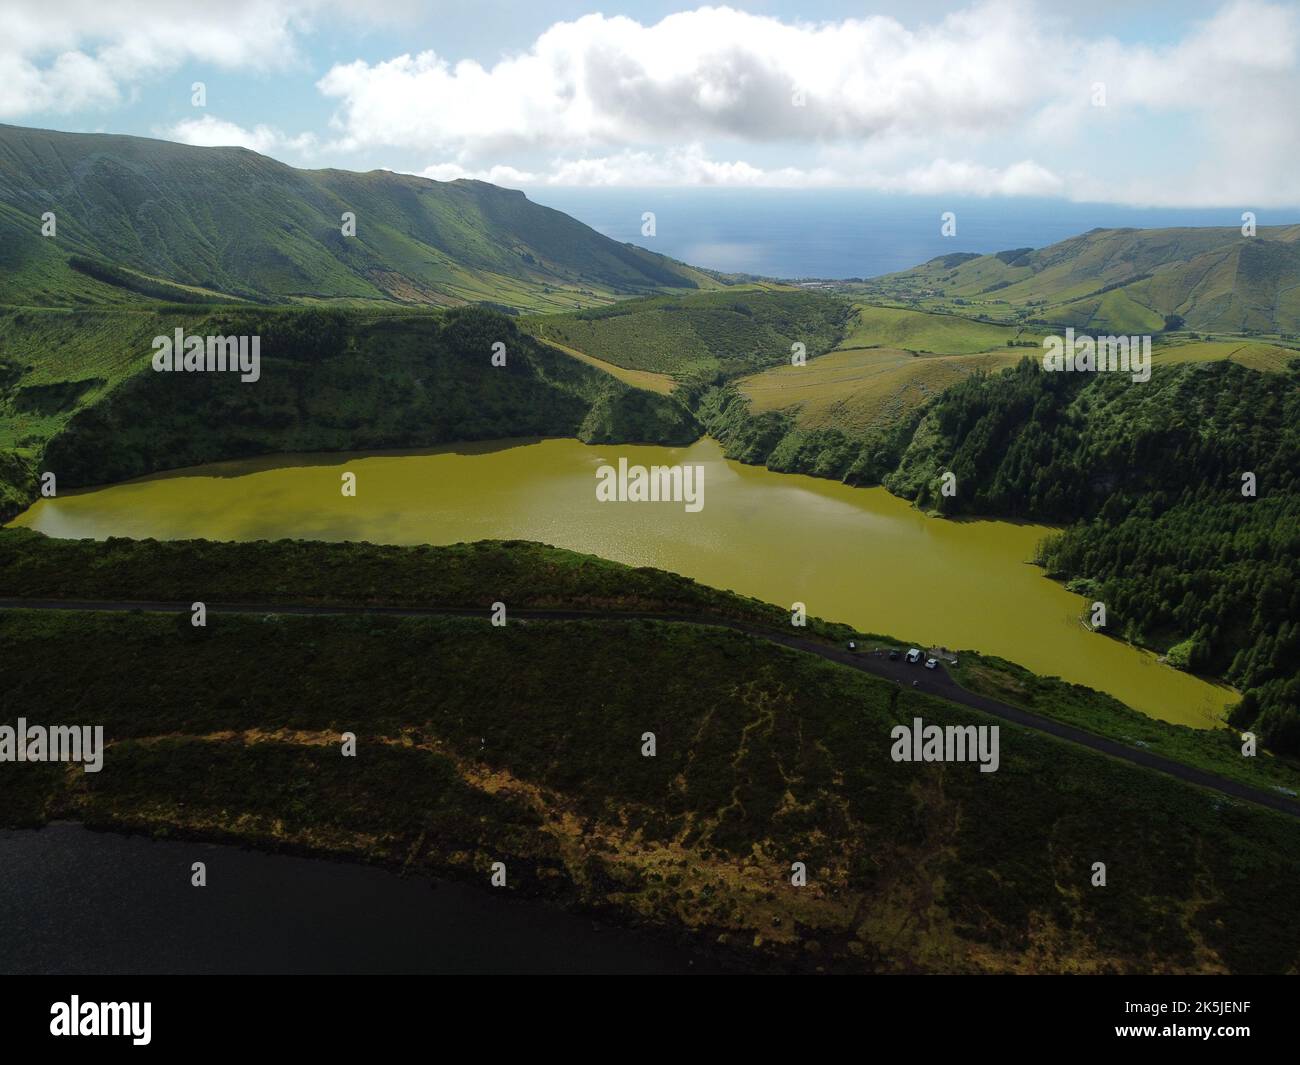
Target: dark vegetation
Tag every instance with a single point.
(333, 380)
(134, 282)
(478, 744)
(17, 480)
(518, 572)
(1151, 479)
(534, 576)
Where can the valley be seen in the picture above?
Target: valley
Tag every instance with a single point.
(889, 453)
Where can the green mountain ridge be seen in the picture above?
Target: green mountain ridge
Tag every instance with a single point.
(1131, 280)
(233, 223)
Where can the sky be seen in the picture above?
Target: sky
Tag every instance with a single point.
(1168, 104)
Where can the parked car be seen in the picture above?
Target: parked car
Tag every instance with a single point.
(931, 663)
(914, 655)
(852, 646)
(893, 655)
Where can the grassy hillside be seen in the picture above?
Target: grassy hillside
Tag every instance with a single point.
(888, 362)
(927, 334)
(53, 362)
(1124, 280)
(701, 335)
(891, 361)
(764, 757)
(646, 379)
(855, 390)
(1271, 358)
(836, 415)
(143, 219)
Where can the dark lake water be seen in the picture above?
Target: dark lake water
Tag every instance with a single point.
(83, 902)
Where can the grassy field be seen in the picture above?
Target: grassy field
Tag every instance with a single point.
(889, 362)
(892, 361)
(646, 379)
(856, 389)
(1258, 355)
(701, 335)
(926, 333)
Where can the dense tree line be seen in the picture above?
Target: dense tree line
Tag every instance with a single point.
(773, 439)
(333, 381)
(1155, 481)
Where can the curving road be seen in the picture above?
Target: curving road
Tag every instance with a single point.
(935, 682)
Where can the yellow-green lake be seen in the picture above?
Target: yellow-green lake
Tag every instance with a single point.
(855, 555)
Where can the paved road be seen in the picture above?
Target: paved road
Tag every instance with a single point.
(931, 682)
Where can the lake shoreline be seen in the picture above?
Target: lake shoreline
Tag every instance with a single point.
(656, 939)
(536, 488)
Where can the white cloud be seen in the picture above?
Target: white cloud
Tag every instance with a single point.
(65, 55)
(210, 131)
(1024, 178)
(507, 176)
(692, 166)
(994, 99)
(713, 72)
(683, 166)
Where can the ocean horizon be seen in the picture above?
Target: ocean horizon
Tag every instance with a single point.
(844, 233)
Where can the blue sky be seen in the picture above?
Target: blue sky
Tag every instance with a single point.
(1185, 103)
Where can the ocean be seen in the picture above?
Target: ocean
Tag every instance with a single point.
(842, 233)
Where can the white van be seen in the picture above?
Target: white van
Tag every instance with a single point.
(914, 655)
